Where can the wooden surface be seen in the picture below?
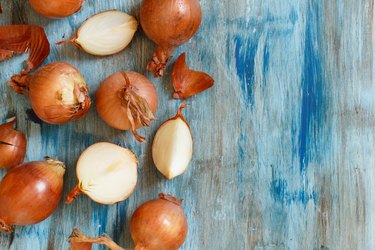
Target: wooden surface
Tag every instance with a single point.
(283, 144)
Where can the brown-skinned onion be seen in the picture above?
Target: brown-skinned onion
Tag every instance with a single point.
(169, 24)
(30, 193)
(56, 8)
(12, 145)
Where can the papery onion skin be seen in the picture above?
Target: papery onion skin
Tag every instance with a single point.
(79, 241)
(18, 39)
(159, 224)
(58, 93)
(110, 102)
(30, 192)
(12, 145)
(56, 8)
(169, 24)
(187, 82)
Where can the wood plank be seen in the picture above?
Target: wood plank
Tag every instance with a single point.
(283, 143)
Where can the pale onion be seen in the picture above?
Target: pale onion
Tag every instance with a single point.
(12, 145)
(105, 33)
(127, 100)
(107, 173)
(56, 8)
(172, 148)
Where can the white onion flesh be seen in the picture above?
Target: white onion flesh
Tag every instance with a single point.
(172, 147)
(106, 33)
(107, 173)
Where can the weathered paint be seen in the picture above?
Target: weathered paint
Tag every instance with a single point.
(283, 143)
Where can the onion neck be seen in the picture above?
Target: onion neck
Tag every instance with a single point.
(20, 83)
(57, 166)
(73, 194)
(77, 237)
(159, 60)
(137, 109)
(5, 228)
(170, 198)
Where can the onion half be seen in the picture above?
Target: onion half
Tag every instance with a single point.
(107, 173)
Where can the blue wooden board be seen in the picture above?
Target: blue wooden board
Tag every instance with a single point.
(283, 144)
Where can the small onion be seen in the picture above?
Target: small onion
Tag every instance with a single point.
(12, 145)
(107, 173)
(105, 33)
(56, 8)
(159, 224)
(169, 23)
(127, 101)
(172, 148)
(58, 93)
(30, 193)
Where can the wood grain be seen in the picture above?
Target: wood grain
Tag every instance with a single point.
(283, 143)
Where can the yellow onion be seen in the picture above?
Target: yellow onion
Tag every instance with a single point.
(57, 92)
(30, 193)
(159, 224)
(127, 100)
(56, 8)
(12, 145)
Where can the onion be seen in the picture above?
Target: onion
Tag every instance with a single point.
(107, 173)
(29, 193)
(159, 224)
(169, 23)
(58, 93)
(172, 148)
(56, 8)
(127, 101)
(105, 33)
(12, 145)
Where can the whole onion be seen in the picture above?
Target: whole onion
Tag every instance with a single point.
(29, 193)
(56, 8)
(127, 101)
(12, 145)
(159, 224)
(58, 93)
(169, 23)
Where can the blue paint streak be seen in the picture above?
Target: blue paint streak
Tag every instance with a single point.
(120, 220)
(280, 193)
(266, 56)
(100, 217)
(245, 51)
(312, 91)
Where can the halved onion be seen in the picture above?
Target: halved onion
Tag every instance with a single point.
(107, 173)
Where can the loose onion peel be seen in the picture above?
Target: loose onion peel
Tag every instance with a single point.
(18, 39)
(187, 82)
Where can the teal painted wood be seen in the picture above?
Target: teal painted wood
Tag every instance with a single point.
(283, 143)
